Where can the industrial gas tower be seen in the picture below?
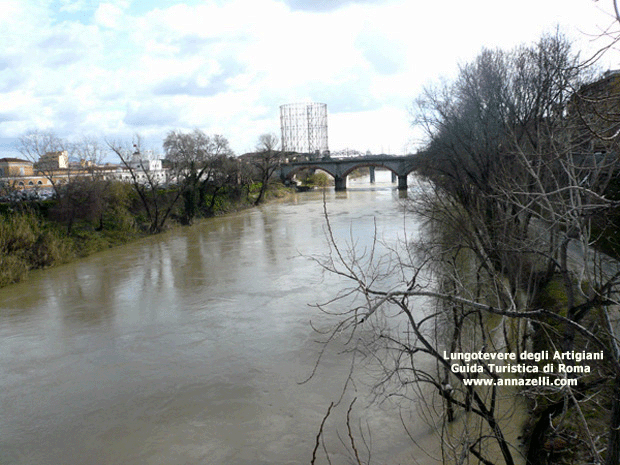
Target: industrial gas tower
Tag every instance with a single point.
(304, 128)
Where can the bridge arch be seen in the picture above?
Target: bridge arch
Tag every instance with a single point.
(368, 165)
(297, 169)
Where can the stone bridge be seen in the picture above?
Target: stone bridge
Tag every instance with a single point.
(339, 168)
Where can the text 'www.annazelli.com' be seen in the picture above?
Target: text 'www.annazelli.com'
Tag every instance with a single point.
(540, 381)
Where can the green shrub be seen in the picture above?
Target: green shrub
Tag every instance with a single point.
(12, 269)
(118, 218)
(18, 231)
(255, 187)
(319, 179)
(220, 204)
(26, 243)
(49, 249)
(119, 237)
(88, 242)
(553, 296)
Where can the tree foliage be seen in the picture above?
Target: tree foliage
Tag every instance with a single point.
(202, 165)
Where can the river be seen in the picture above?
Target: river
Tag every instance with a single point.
(189, 347)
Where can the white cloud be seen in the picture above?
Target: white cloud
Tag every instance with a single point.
(10, 9)
(73, 6)
(385, 130)
(110, 15)
(225, 66)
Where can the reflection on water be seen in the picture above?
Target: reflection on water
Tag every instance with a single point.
(187, 347)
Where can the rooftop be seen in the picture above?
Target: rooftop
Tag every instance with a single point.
(14, 160)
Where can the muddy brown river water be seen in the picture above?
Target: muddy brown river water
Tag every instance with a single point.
(188, 347)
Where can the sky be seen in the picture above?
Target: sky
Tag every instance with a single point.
(114, 69)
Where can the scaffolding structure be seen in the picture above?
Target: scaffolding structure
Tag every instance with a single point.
(304, 127)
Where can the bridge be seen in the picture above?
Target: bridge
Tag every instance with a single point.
(340, 168)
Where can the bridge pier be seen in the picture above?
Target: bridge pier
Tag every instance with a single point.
(341, 183)
(393, 177)
(402, 182)
(372, 174)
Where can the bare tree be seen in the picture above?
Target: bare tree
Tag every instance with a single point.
(83, 198)
(78, 196)
(35, 145)
(156, 198)
(507, 258)
(90, 154)
(537, 194)
(266, 161)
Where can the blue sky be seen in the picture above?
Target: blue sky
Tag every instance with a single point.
(111, 69)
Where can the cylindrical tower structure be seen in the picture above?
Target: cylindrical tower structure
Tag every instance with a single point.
(304, 127)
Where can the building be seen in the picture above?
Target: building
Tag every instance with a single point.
(53, 161)
(12, 167)
(54, 169)
(146, 168)
(595, 109)
(19, 174)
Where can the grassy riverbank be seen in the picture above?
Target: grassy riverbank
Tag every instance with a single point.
(42, 234)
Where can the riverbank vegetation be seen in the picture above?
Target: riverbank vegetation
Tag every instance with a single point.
(314, 179)
(516, 177)
(40, 234)
(89, 214)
